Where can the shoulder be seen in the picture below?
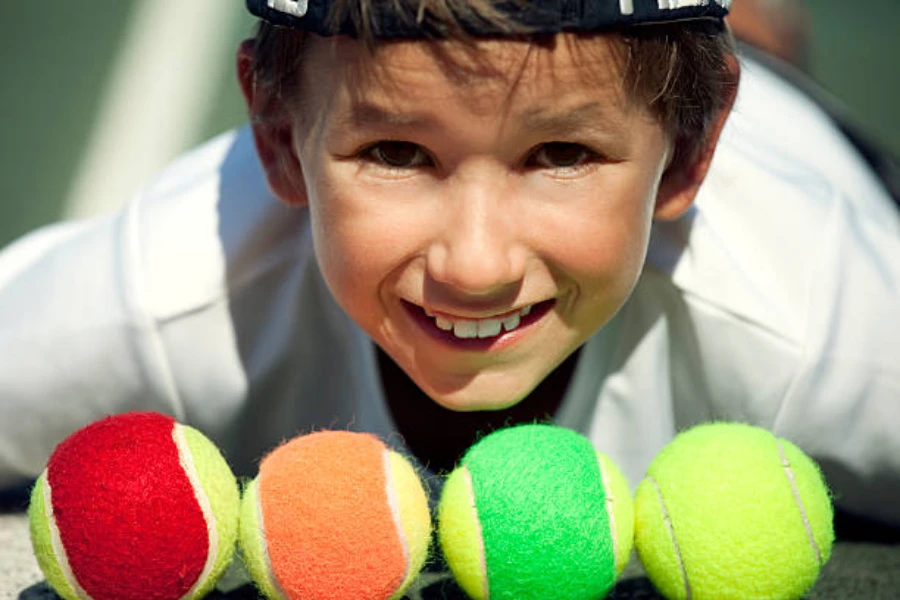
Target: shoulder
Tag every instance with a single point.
(210, 224)
(792, 134)
(787, 205)
(787, 260)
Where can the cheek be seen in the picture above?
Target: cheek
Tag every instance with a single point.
(361, 244)
(603, 243)
(344, 252)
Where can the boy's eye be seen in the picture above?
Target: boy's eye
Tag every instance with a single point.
(398, 155)
(560, 155)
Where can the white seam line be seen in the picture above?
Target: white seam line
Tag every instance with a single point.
(786, 465)
(209, 517)
(261, 530)
(394, 503)
(610, 512)
(479, 531)
(59, 550)
(668, 521)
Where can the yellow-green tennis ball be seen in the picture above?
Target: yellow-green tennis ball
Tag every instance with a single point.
(534, 512)
(729, 511)
(335, 515)
(134, 507)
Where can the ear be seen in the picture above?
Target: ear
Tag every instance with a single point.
(682, 179)
(273, 131)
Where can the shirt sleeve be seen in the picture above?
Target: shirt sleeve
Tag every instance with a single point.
(73, 347)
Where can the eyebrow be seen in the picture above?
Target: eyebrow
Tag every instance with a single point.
(591, 115)
(367, 114)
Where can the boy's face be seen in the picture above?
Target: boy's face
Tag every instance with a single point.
(505, 194)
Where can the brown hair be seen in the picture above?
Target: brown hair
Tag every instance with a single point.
(679, 70)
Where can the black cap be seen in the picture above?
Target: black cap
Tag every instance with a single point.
(539, 16)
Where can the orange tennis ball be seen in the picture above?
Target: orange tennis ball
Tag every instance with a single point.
(335, 515)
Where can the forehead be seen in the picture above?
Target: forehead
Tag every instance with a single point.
(487, 73)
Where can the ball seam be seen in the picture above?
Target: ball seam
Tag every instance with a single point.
(59, 550)
(273, 582)
(186, 459)
(789, 473)
(467, 478)
(394, 504)
(671, 529)
(610, 511)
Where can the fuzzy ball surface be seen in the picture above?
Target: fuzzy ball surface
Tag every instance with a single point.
(730, 511)
(335, 515)
(134, 506)
(535, 512)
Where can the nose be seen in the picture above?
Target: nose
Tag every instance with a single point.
(477, 252)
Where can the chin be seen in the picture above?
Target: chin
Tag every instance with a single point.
(487, 390)
(468, 402)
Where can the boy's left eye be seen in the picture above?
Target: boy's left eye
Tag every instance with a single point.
(398, 155)
(560, 155)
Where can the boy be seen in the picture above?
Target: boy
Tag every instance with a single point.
(460, 215)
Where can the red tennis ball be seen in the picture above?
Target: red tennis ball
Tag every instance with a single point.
(135, 506)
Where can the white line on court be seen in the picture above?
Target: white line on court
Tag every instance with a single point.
(161, 89)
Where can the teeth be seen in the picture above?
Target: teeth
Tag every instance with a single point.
(465, 329)
(489, 327)
(443, 324)
(482, 328)
(511, 323)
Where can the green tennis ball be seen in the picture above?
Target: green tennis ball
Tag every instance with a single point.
(134, 507)
(535, 512)
(731, 511)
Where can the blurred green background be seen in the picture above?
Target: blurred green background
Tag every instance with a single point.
(61, 60)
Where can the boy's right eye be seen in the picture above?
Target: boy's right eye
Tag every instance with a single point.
(397, 155)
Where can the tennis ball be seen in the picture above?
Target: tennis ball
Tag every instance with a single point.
(535, 512)
(135, 506)
(335, 515)
(731, 511)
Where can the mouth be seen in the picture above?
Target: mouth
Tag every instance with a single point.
(479, 333)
